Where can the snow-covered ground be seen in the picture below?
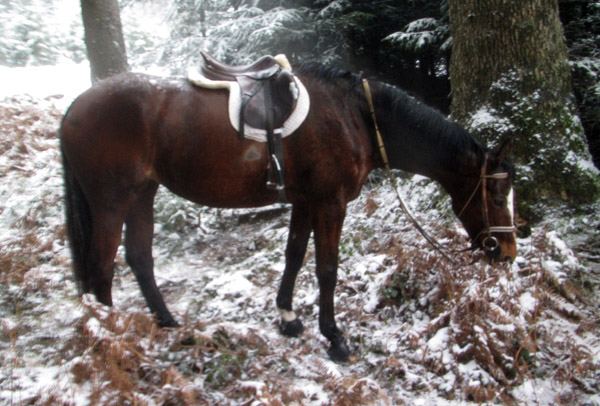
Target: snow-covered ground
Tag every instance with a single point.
(64, 82)
(424, 332)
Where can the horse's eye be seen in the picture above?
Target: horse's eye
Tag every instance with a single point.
(499, 202)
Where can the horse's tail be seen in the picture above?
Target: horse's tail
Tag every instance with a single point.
(79, 225)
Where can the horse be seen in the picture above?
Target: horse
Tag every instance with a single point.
(130, 133)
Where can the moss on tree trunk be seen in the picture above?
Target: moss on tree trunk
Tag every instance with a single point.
(510, 77)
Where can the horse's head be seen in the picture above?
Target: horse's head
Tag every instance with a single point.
(487, 210)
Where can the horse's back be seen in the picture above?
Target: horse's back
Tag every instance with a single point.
(138, 127)
(104, 108)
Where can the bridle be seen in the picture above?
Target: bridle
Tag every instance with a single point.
(489, 242)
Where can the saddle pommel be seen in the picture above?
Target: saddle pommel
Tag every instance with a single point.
(283, 62)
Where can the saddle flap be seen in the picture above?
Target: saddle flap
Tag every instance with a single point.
(283, 99)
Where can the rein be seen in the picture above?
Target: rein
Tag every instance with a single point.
(432, 241)
(489, 243)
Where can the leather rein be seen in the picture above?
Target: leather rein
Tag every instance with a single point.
(489, 242)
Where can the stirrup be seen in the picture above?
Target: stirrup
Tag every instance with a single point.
(274, 172)
(274, 186)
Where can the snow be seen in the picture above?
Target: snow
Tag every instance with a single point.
(439, 341)
(487, 118)
(483, 118)
(60, 83)
(418, 34)
(528, 302)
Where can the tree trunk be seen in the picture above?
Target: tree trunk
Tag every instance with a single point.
(510, 76)
(104, 38)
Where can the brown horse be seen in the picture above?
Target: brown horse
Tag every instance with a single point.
(128, 134)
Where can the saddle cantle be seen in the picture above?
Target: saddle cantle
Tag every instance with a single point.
(266, 102)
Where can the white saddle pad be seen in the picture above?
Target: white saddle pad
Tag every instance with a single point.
(235, 102)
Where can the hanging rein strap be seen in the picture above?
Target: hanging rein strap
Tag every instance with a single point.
(388, 170)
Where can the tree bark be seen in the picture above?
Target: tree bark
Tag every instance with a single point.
(104, 38)
(510, 76)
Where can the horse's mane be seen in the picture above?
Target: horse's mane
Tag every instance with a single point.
(329, 75)
(394, 105)
(432, 125)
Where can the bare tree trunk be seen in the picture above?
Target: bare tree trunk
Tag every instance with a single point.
(510, 76)
(104, 38)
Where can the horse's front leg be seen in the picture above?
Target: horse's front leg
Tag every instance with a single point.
(300, 229)
(328, 221)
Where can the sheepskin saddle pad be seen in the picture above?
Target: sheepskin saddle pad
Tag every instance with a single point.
(264, 95)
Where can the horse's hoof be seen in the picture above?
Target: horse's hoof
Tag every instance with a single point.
(168, 323)
(291, 328)
(339, 352)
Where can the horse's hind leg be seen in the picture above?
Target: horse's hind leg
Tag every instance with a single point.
(138, 247)
(300, 229)
(107, 225)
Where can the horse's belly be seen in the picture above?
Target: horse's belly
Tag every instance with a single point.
(239, 181)
(224, 193)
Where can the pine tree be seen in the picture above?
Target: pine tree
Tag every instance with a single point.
(31, 34)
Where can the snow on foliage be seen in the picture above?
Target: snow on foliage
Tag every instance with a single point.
(422, 36)
(31, 38)
(241, 33)
(417, 35)
(422, 330)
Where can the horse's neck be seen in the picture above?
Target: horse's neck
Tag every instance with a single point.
(431, 156)
(421, 140)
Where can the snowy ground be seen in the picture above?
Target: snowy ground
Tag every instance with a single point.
(424, 332)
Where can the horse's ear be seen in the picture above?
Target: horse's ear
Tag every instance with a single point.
(504, 150)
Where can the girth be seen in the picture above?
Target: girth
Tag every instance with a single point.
(268, 100)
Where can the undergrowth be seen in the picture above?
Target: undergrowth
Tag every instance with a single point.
(24, 125)
(495, 327)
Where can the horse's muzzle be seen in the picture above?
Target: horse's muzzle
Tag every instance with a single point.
(497, 251)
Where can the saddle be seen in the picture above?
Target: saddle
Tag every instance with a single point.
(269, 96)
(267, 89)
